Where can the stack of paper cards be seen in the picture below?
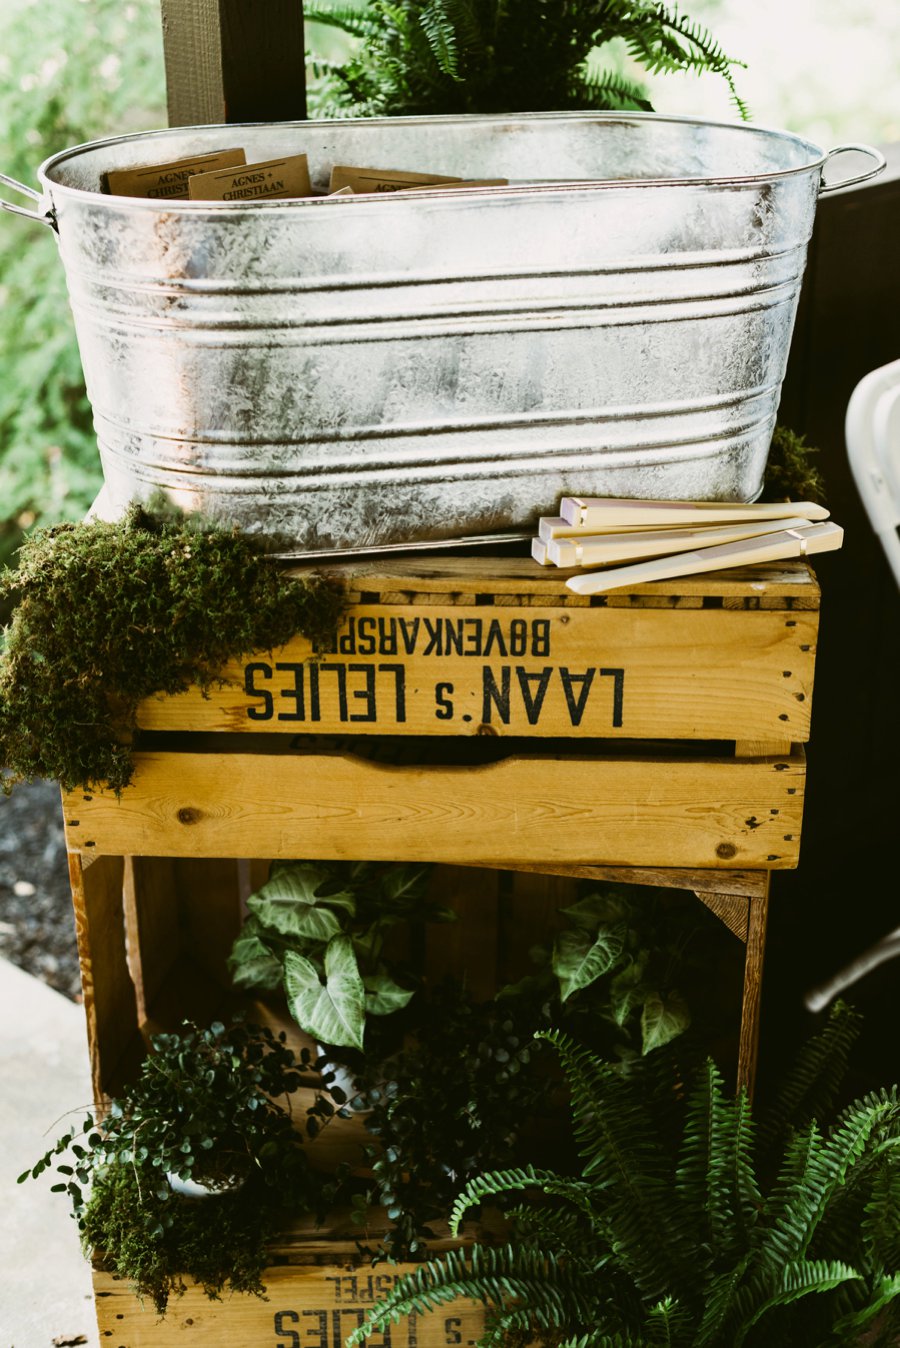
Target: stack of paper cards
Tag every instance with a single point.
(635, 541)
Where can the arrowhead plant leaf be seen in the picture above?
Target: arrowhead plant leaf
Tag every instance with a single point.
(289, 904)
(253, 964)
(663, 1019)
(333, 1011)
(383, 995)
(578, 960)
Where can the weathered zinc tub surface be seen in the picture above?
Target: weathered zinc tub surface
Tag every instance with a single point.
(364, 371)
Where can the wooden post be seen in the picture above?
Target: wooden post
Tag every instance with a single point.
(234, 61)
(748, 1046)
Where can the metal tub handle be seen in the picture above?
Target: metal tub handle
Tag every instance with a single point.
(47, 218)
(870, 151)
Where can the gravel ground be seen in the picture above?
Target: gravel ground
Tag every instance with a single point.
(37, 929)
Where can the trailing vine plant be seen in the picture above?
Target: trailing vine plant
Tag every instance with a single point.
(107, 614)
(211, 1105)
(674, 1233)
(483, 56)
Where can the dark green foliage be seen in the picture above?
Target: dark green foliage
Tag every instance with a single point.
(791, 474)
(457, 1086)
(107, 614)
(465, 56)
(307, 910)
(209, 1106)
(319, 928)
(452, 1101)
(671, 1236)
(633, 946)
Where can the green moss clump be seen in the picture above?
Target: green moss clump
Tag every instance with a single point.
(108, 614)
(791, 474)
(154, 1238)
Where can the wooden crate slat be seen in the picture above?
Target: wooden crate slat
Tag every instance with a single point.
(793, 582)
(233, 61)
(696, 812)
(307, 1307)
(618, 673)
(697, 881)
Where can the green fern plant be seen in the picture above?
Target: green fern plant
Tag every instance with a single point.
(676, 1235)
(466, 56)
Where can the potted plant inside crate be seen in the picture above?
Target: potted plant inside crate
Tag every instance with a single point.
(208, 1115)
(321, 931)
(449, 1084)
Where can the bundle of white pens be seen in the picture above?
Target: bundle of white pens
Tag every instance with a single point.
(636, 541)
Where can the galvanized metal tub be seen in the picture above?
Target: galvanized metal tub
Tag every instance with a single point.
(365, 371)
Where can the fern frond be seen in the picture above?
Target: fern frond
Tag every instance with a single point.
(880, 1226)
(440, 31)
(348, 18)
(715, 1180)
(622, 1155)
(602, 1340)
(608, 89)
(677, 43)
(885, 1290)
(559, 1228)
(797, 1279)
(812, 1083)
(494, 1184)
(871, 1186)
(801, 1203)
(669, 1324)
(468, 23)
(484, 55)
(553, 1296)
(721, 1293)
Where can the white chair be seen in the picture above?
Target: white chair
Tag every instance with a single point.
(873, 449)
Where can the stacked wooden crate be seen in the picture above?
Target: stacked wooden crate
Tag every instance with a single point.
(473, 711)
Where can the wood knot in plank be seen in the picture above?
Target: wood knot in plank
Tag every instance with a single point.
(726, 851)
(188, 815)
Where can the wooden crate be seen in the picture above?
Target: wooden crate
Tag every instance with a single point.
(318, 1291)
(657, 727)
(473, 711)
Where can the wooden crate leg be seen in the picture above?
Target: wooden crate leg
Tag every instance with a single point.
(748, 1046)
(746, 917)
(109, 998)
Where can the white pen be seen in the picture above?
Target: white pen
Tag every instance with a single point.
(775, 547)
(595, 513)
(554, 526)
(604, 549)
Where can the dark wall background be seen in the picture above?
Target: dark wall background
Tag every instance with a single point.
(846, 892)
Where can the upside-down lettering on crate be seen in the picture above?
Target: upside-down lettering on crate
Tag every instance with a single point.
(663, 728)
(316, 1297)
(478, 644)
